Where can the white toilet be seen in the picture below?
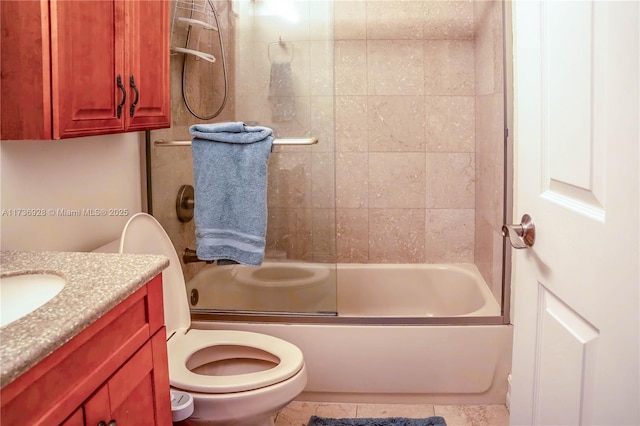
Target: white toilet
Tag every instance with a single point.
(235, 377)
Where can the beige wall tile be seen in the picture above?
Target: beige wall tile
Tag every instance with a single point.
(449, 235)
(450, 123)
(490, 158)
(289, 229)
(396, 180)
(489, 200)
(289, 179)
(351, 123)
(350, 20)
(484, 256)
(321, 20)
(323, 235)
(450, 181)
(252, 112)
(323, 180)
(352, 180)
(323, 123)
(299, 126)
(448, 20)
(321, 67)
(252, 70)
(448, 67)
(388, 20)
(352, 235)
(395, 67)
(489, 49)
(396, 236)
(350, 62)
(396, 123)
(484, 75)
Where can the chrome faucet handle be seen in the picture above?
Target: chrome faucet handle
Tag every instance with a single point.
(522, 235)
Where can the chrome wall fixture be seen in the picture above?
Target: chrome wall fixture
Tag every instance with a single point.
(283, 141)
(184, 203)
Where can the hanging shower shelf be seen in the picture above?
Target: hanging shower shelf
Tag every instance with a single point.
(206, 56)
(194, 16)
(197, 23)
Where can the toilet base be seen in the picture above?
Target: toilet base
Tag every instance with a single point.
(258, 407)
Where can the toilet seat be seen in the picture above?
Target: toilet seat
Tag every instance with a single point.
(181, 346)
(192, 348)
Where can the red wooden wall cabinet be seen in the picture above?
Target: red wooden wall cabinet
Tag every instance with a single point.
(83, 67)
(114, 370)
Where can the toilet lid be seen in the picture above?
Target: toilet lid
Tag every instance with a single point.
(182, 346)
(143, 234)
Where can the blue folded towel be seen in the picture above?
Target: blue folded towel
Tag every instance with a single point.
(230, 172)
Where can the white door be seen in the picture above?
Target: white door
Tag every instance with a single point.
(576, 291)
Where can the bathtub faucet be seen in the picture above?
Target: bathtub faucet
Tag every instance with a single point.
(190, 256)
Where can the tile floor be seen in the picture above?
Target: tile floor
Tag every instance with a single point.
(297, 413)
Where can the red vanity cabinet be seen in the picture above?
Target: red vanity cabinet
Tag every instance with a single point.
(115, 369)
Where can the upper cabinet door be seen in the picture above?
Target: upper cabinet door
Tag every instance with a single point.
(87, 58)
(84, 67)
(25, 91)
(148, 65)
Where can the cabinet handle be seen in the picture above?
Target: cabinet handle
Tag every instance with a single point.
(124, 98)
(112, 422)
(102, 423)
(132, 83)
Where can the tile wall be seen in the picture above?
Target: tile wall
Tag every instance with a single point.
(407, 105)
(390, 92)
(405, 126)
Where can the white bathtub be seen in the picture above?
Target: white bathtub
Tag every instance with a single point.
(378, 362)
(413, 290)
(274, 287)
(361, 290)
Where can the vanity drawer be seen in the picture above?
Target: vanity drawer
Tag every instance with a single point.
(54, 388)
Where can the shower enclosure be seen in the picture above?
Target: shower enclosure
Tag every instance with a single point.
(407, 103)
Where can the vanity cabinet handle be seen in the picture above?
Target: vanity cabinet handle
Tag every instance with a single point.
(112, 422)
(132, 83)
(121, 104)
(102, 423)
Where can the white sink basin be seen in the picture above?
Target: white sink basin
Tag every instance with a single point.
(22, 294)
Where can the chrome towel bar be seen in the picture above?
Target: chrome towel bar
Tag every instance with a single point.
(284, 141)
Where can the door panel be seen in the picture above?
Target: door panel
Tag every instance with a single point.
(570, 64)
(576, 295)
(566, 343)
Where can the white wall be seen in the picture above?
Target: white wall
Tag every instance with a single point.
(99, 172)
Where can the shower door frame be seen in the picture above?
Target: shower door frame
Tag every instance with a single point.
(311, 318)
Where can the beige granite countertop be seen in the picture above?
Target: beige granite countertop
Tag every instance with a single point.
(95, 283)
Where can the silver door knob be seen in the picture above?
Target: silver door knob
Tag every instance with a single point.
(522, 235)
